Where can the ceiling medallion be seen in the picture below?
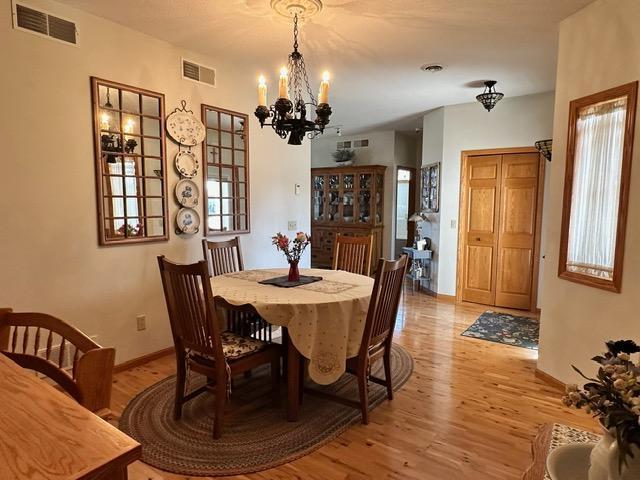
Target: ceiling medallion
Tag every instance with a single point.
(303, 8)
(289, 113)
(490, 97)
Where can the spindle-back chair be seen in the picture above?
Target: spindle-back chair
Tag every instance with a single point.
(62, 353)
(353, 254)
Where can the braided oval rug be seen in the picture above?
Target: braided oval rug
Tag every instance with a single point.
(255, 434)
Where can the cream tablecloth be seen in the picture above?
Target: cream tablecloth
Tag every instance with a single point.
(325, 319)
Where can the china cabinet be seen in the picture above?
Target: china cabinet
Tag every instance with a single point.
(346, 201)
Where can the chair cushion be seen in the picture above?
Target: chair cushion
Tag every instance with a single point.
(235, 346)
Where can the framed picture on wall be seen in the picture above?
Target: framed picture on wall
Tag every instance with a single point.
(430, 188)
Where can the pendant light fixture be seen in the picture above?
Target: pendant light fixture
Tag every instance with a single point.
(490, 97)
(289, 112)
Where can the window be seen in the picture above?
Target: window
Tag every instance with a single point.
(130, 163)
(597, 177)
(226, 150)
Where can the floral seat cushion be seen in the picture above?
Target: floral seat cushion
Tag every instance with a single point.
(235, 346)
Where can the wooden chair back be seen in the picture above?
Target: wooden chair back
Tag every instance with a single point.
(64, 354)
(223, 257)
(194, 324)
(353, 254)
(385, 298)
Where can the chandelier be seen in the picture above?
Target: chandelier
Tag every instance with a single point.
(490, 97)
(289, 113)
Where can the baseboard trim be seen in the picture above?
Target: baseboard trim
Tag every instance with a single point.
(550, 380)
(446, 298)
(136, 362)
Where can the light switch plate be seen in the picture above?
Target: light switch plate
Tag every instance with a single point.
(454, 223)
(141, 322)
(292, 225)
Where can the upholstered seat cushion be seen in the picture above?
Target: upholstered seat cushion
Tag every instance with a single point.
(235, 346)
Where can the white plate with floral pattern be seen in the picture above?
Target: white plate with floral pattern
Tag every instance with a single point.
(188, 220)
(187, 193)
(187, 164)
(185, 129)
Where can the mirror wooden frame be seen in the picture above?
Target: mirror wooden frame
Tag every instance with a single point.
(103, 238)
(236, 215)
(630, 91)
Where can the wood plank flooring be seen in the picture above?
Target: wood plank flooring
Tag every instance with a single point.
(470, 410)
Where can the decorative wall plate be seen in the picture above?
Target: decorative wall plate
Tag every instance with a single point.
(187, 193)
(185, 128)
(187, 164)
(188, 220)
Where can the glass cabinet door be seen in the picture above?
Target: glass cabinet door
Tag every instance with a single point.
(318, 198)
(379, 198)
(333, 198)
(348, 198)
(364, 197)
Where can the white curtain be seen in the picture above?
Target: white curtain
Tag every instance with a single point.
(596, 188)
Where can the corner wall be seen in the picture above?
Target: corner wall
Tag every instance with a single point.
(50, 260)
(598, 50)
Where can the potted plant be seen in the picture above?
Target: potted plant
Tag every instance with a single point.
(344, 157)
(292, 251)
(614, 398)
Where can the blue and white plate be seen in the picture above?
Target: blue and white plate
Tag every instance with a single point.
(188, 220)
(187, 164)
(187, 193)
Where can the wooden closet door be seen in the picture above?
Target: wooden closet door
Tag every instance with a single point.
(481, 200)
(517, 234)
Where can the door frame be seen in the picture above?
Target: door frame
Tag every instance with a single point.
(411, 206)
(462, 217)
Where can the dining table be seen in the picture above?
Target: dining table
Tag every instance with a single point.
(324, 320)
(45, 434)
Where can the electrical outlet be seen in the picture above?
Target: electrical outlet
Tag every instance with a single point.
(141, 321)
(292, 225)
(454, 223)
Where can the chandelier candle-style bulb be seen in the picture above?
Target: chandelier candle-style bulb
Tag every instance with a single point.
(283, 91)
(105, 121)
(323, 94)
(128, 127)
(262, 91)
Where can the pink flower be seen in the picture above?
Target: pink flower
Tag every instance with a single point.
(301, 237)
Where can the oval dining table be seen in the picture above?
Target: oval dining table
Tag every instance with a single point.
(324, 320)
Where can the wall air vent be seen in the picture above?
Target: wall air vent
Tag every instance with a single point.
(44, 24)
(198, 73)
(344, 145)
(360, 143)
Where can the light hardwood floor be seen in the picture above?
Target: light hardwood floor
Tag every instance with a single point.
(470, 410)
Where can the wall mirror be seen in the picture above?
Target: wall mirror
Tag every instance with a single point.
(226, 181)
(596, 188)
(130, 163)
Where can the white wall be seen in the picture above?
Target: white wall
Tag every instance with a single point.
(598, 50)
(387, 148)
(514, 122)
(49, 255)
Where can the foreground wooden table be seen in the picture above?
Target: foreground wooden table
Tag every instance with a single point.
(46, 435)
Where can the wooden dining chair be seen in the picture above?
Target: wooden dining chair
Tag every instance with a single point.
(377, 336)
(353, 254)
(226, 257)
(201, 345)
(62, 353)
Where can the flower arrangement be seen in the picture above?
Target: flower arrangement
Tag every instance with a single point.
(614, 396)
(343, 155)
(293, 250)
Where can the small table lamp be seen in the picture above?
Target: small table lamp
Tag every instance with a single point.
(417, 218)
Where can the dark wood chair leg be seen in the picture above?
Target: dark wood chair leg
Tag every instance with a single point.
(285, 347)
(275, 380)
(387, 372)
(221, 397)
(364, 394)
(181, 375)
(303, 364)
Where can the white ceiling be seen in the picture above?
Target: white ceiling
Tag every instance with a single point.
(373, 48)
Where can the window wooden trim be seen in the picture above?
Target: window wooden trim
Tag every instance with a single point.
(205, 175)
(630, 91)
(100, 174)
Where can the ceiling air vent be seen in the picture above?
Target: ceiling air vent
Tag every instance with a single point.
(42, 23)
(198, 73)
